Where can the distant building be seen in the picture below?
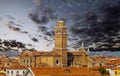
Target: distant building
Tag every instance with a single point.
(59, 57)
(16, 70)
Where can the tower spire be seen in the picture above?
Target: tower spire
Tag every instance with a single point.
(82, 45)
(88, 50)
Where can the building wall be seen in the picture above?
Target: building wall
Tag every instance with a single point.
(117, 72)
(72, 60)
(28, 61)
(38, 60)
(111, 72)
(79, 60)
(57, 61)
(47, 60)
(15, 72)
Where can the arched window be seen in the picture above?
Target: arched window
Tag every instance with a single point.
(12, 72)
(23, 72)
(57, 62)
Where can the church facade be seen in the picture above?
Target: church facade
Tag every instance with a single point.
(59, 57)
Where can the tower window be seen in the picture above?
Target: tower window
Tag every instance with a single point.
(58, 31)
(57, 61)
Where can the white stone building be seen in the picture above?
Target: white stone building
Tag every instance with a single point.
(16, 71)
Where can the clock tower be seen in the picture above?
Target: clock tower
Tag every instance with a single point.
(61, 41)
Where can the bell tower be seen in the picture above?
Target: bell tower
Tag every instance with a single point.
(61, 41)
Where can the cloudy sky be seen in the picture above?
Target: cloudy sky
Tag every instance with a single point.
(96, 22)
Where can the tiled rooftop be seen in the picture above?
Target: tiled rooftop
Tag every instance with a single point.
(17, 67)
(65, 72)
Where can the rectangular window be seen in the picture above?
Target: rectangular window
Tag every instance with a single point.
(24, 60)
(11, 72)
(23, 72)
(115, 72)
(17, 72)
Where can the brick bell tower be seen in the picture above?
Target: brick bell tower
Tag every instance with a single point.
(61, 41)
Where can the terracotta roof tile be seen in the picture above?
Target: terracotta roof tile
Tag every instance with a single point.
(2, 74)
(37, 53)
(65, 72)
(17, 67)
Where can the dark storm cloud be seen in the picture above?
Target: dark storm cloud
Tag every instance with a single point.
(76, 17)
(50, 33)
(24, 32)
(100, 26)
(34, 39)
(88, 20)
(14, 28)
(31, 45)
(43, 13)
(47, 10)
(46, 38)
(37, 19)
(17, 29)
(14, 43)
(10, 44)
(45, 31)
(43, 28)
